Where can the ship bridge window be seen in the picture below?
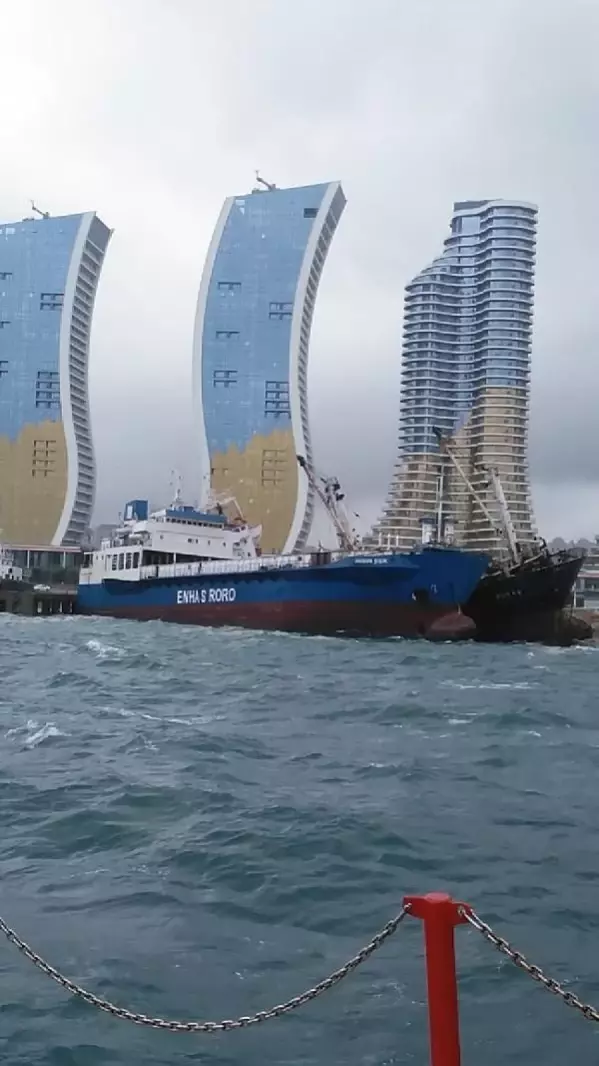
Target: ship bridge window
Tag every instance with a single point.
(114, 562)
(135, 560)
(128, 561)
(121, 560)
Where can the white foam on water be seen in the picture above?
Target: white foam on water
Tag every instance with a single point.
(509, 684)
(105, 651)
(30, 726)
(44, 733)
(162, 718)
(576, 649)
(200, 719)
(490, 685)
(17, 729)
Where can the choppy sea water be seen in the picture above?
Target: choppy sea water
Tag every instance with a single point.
(201, 823)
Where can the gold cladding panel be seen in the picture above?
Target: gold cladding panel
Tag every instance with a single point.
(263, 478)
(31, 504)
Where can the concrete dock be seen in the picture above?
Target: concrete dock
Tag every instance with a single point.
(19, 598)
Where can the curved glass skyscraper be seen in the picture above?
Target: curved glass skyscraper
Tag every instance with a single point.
(252, 333)
(49, 271)
(465, 371)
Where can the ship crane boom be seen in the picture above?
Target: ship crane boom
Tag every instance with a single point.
(506, 529)
(329, 493)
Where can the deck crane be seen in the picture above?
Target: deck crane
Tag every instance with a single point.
(506, 529)
(330, 495)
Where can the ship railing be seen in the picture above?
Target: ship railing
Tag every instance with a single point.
(224, 566)
(214, 567)
(439, 914)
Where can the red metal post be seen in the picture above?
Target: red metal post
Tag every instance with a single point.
(440, 914)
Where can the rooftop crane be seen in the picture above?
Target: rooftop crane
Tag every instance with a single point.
(267, 184)
(37, 211)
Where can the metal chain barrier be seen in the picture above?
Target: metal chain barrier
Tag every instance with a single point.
(208, 1027)
(534, 971)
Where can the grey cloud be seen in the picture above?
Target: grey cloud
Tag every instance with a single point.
(151, 112)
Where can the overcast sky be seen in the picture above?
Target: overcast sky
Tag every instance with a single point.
(150, 112)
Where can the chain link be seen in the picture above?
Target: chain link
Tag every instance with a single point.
(207, 1027)
(534, 971)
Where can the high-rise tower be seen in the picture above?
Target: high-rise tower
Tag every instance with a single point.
(251, 341)
(49, 272)
(465, 372)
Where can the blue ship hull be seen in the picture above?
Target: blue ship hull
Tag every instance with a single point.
(378, 595)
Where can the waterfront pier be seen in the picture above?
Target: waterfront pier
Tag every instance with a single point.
(19, 598)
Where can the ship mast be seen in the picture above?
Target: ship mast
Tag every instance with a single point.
(177, 486)
(330, 495)
(440, 501)
(506, 518)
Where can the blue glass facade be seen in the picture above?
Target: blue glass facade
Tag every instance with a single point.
(49, 269)
(251, 348)
(466, 368)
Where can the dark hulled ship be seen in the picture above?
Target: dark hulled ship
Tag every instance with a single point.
(528, 601)
(525, 594)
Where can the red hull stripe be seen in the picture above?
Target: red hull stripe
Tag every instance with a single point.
(301, 617)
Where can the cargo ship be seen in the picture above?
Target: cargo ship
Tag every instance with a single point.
(204, 567)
